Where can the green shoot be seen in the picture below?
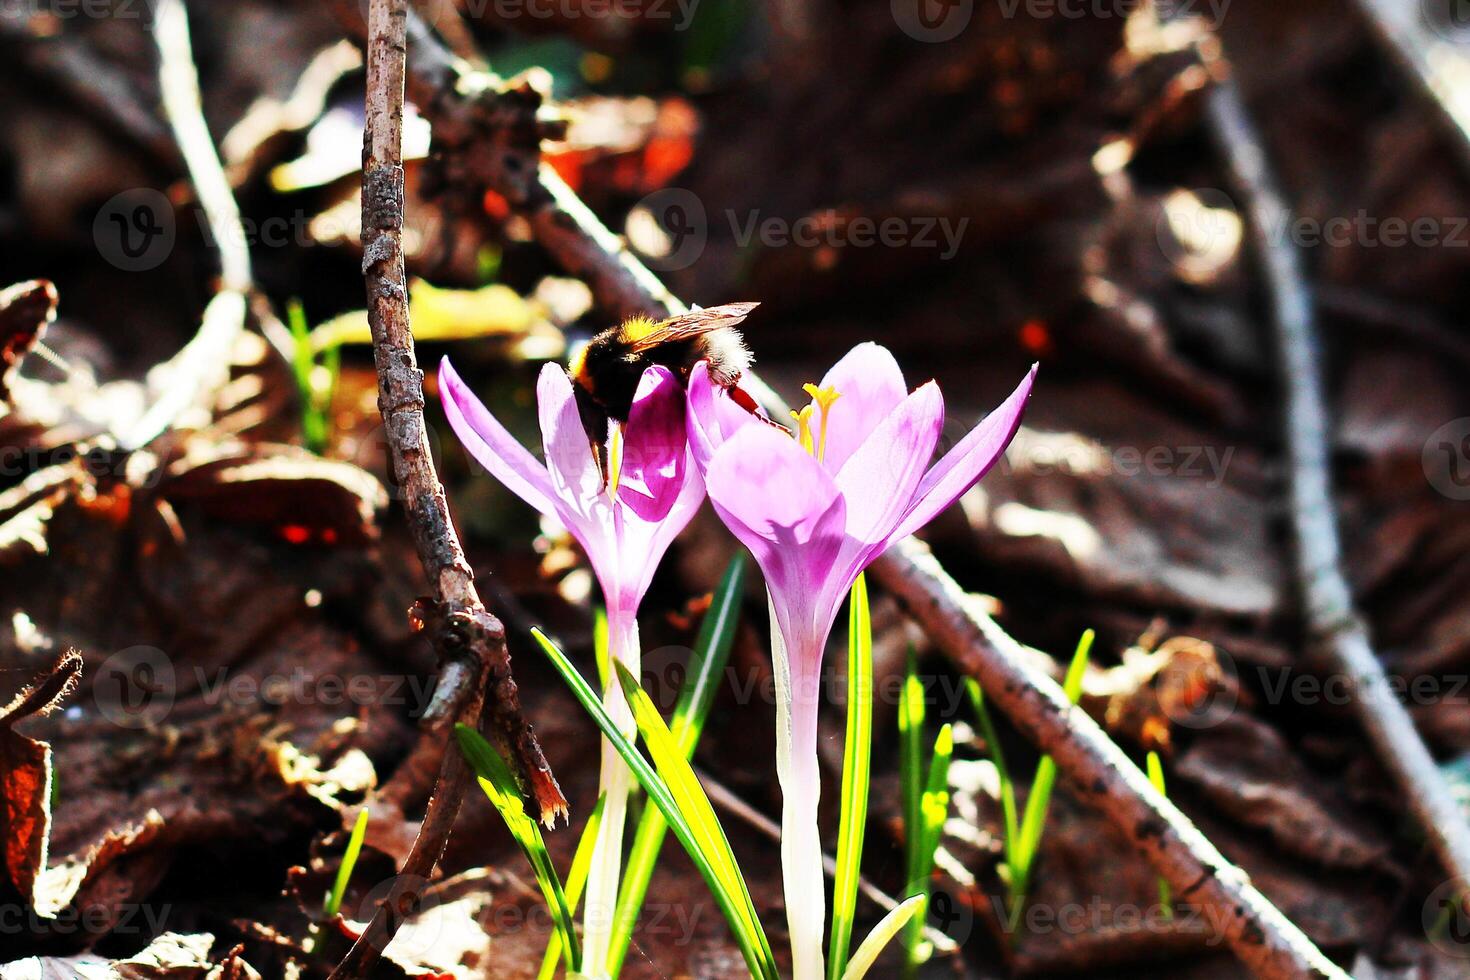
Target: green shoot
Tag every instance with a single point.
(576, 881)
(933, 810)
(500, 786)
(702, 840)
(316, 383)
(706, 666)
(856, 763)
(1023, 837)
(1156, 776)
(905, 913)
(910, 768)
(333, 903)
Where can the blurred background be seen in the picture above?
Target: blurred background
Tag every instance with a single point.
(978, 185)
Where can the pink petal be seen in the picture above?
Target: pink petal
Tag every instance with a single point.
(489, 443)
(643, 544)
(574, 473)
(964, 465)
(713, 415)
(872, 386)
(879, 479)
(654, 441)
(786, 509)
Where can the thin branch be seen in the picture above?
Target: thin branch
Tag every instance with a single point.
(1099, 771)
(1332, 624)
(202, 367)
(1264, 939)
(469, 640)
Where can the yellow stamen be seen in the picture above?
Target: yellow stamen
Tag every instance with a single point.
(615, 460)
(804, 428)
(824, 397)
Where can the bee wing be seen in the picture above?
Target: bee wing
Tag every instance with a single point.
(691, 324)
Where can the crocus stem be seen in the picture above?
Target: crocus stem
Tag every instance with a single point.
(797, 674)
(615, 782)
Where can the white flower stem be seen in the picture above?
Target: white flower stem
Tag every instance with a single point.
(801, 791)
(615, 782)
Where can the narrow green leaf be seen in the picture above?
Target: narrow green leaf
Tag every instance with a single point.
(856, 764)
(706, 666)
(689, 795)
(754, 947)
(576, 881)
(911, 768)
(882, 934)
(933, 809)
(1033, 822)
(349, 861)
(500, 787)
(998, 758)
(600, 649)
(1156, 777)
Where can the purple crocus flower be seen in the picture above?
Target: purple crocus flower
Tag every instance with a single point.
(815, 511)
(624, 525)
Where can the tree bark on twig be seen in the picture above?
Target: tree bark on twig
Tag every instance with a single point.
(470, 641)
(1333, 626)
(1263, 938)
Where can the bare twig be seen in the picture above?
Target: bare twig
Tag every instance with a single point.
(469, 640)
(1261, 936)
(1333, 625)
(1100, 773)
(202, 367)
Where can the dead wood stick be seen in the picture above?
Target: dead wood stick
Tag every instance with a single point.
(1333, 626)
(1264, 939)
(202, 367)
(470, 641)
(1098, 770)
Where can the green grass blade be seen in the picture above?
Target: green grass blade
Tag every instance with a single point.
(1156, 776)
(500, 787)
(600, 648)
(691, 799)
(576, 881)
(903, 914)
(1033, 822)
(706, 666)
(933, 809)
(911, 767)
(754, 947)
(349, 861)
(998, 758)
(856, 764)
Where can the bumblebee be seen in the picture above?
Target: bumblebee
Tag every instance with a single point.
(605, 373)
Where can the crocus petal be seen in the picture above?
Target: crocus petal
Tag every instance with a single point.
(964, 465)
(786, 509)
(713, 415)
(653, 468)
(574, 473)
(872, 386)
(879, 479)
(643, 544)
(488, 441)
